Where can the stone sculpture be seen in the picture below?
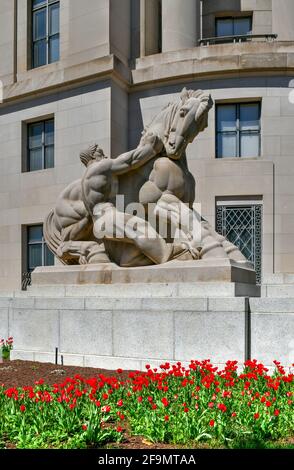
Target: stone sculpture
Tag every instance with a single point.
(87, 226)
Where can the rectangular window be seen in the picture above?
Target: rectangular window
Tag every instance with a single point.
(38, 254)
(238, 26)
(41, 145)
(45, 32)
(238, 130)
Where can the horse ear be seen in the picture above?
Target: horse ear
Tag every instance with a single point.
(184, 94)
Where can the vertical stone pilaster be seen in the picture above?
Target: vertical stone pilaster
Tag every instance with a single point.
(149, 27)
(180, 24)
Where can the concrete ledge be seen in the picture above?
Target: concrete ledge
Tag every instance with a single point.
(210, 271)
(280, 290)
(273, 305)
(218, 59)
(45, 79)
(115, 292)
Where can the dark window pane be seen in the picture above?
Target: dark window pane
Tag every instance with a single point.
(35, 135)
(37, 3)
(250, 116)
(49, 132)
(35, 256)
(249, 145)
(54, 19)
(40, 53)
(226, 117)
(224, 27)
(54, 49)
(227, 145)
(242, 26)
(35, 233)
(48, 256)
(35, 159)
(39, 24)
(49, 156)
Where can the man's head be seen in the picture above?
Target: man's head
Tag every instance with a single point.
(94, 153)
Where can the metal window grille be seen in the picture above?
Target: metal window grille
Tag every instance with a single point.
(242, 225)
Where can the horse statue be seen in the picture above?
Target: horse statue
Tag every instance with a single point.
(158, 173)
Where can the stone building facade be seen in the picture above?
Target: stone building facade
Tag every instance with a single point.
(76, 72)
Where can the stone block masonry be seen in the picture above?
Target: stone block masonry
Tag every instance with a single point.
(133, 330)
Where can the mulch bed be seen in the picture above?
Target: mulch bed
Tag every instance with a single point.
(25, 373)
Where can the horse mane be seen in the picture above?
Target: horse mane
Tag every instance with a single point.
(205, 99)
(163, 114)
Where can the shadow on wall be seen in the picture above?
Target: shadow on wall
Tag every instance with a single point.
(1, 92)
(144, 105)
(54, 97)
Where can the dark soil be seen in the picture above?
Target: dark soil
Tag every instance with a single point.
(26, 373)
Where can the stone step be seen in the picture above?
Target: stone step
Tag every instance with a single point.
(139, 304)
(272, 305)
(277, 279)
(278, 290)
(144, 290)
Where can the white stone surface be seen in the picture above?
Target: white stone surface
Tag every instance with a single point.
(217, 335)
(4, 333)
(33, 329)
(112, 363)
(175, 304)
(44, 357)
(108, 303)
(286, 290)
(122, 290)
(71, 360)
(229, 304)
(274, 305)
(180, 24)
(273, 337)
(205, 289)
(143, 334)
(22, 355)
(60, 304)
(86, 332)
(131, 332)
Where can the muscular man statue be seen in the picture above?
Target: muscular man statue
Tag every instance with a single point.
(129, 240)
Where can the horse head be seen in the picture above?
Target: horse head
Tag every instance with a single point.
(191, 117)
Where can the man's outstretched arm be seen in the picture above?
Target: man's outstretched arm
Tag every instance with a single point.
(138, 157)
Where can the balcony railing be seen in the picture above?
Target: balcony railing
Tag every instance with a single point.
(237, 38)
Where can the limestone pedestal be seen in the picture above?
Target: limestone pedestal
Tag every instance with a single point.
(220, 278)
(111, 317)
(127, 331)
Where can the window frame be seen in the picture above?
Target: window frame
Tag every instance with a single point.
(43, 6)
(238, 132)
(233, 18)
(43, 144)
(41, 242)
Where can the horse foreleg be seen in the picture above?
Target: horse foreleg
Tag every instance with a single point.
(184, 222)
